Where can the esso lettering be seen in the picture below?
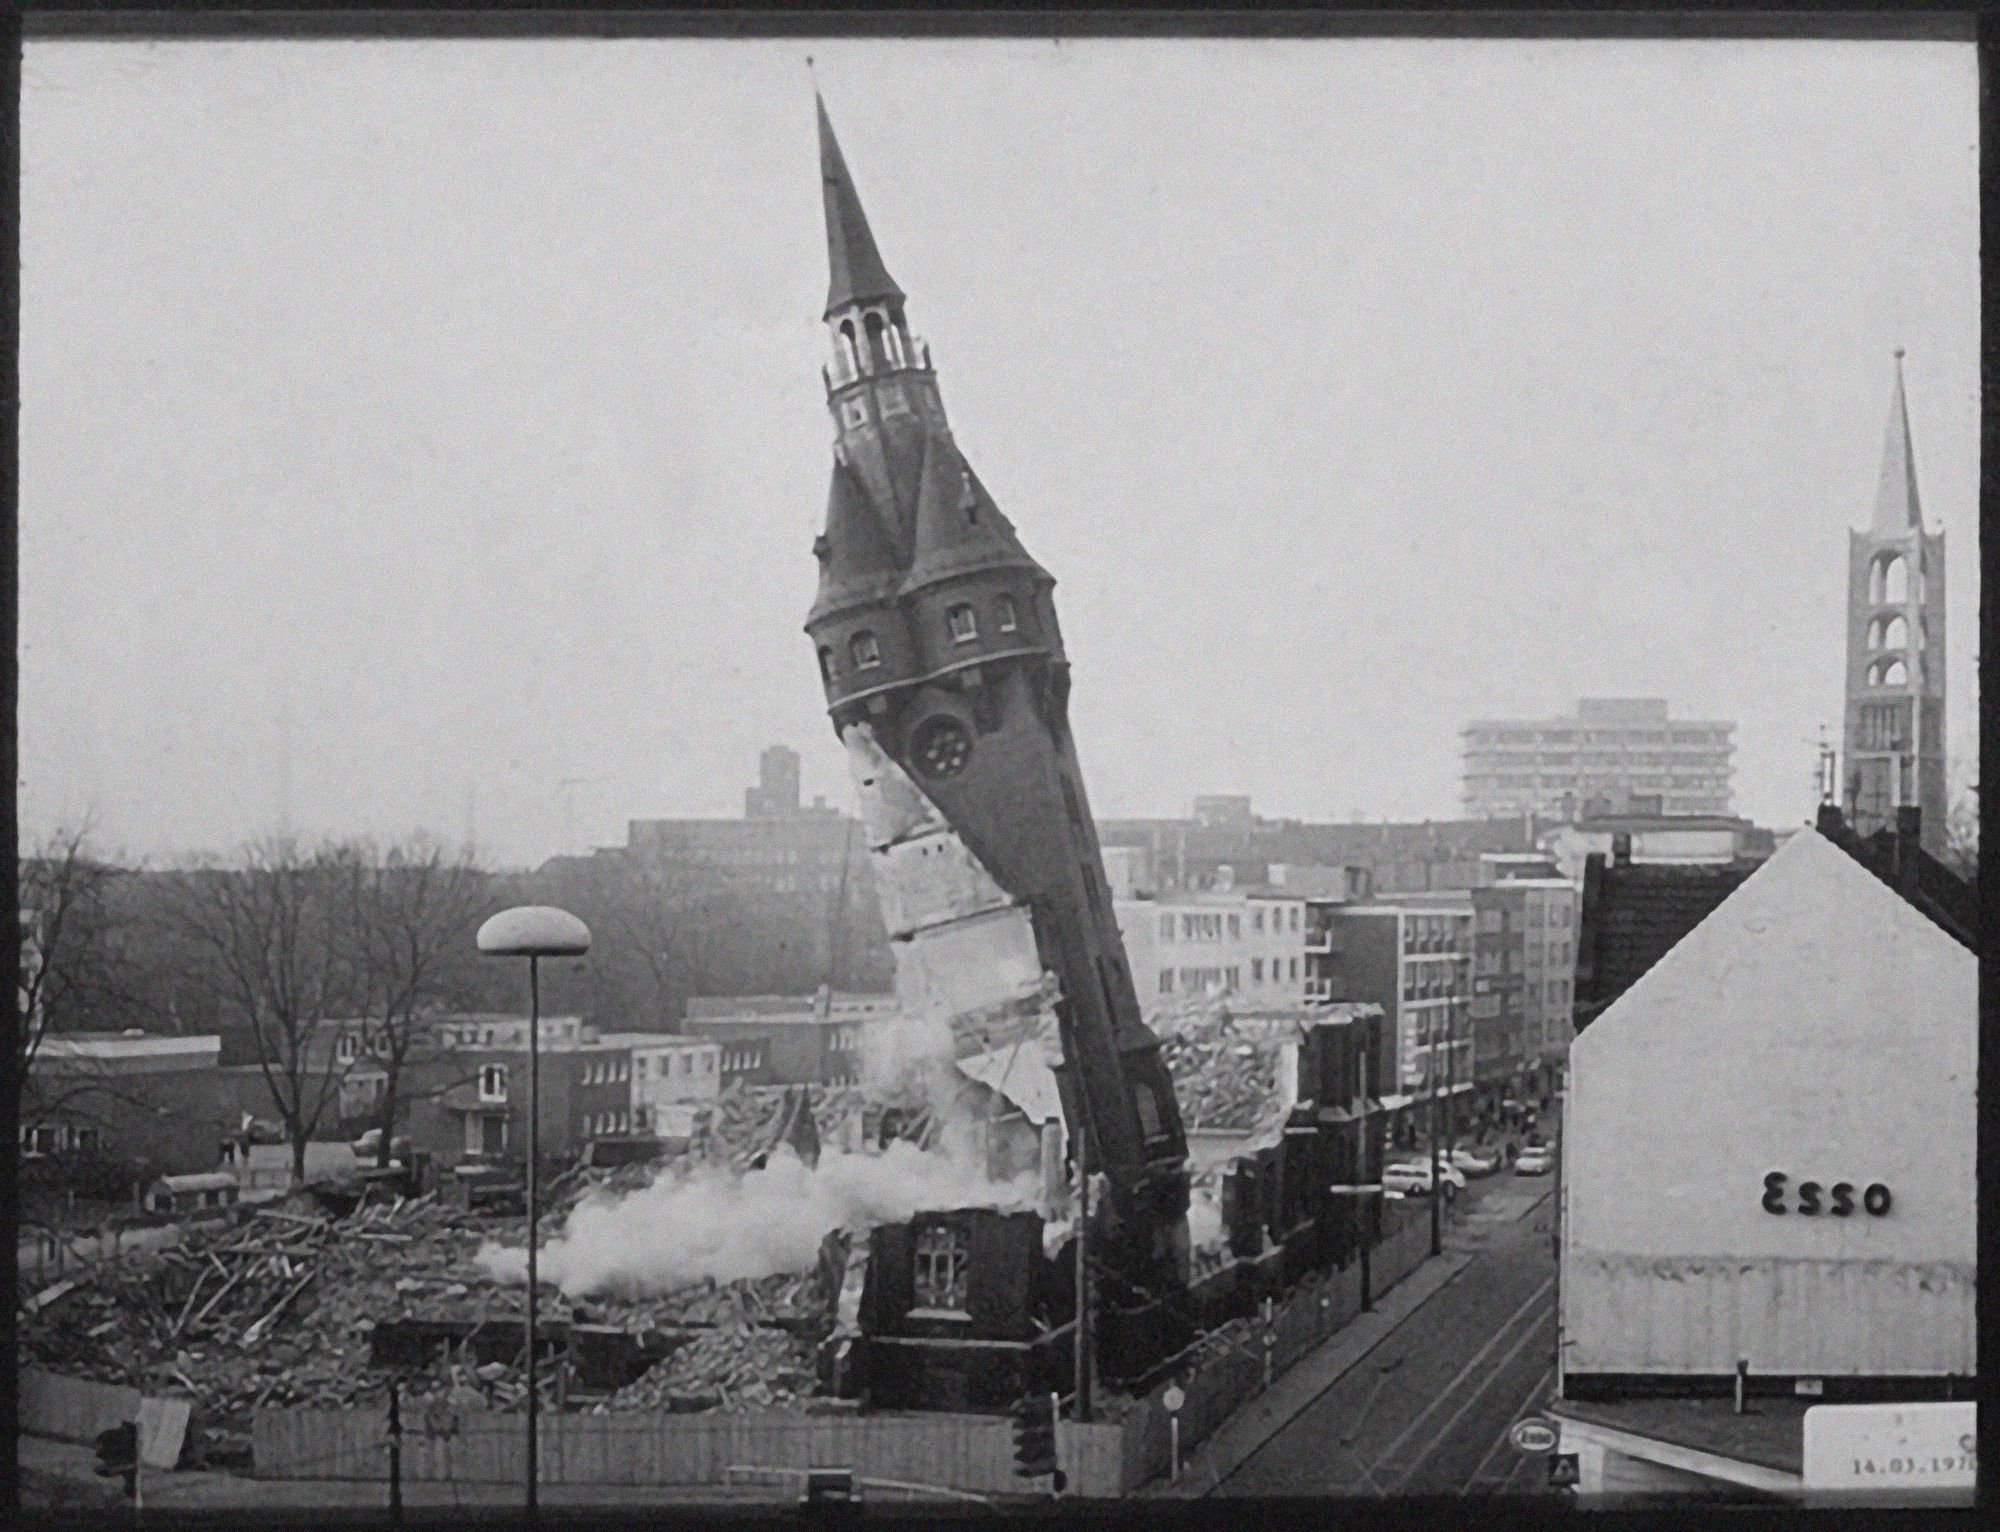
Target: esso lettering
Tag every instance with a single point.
(1814, 1198)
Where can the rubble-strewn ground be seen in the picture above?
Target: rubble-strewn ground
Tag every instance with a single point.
(1222, 1079)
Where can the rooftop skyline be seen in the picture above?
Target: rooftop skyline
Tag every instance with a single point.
(437, 432)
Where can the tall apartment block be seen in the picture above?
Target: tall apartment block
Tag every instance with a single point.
(1615, 755)
(1895, 652)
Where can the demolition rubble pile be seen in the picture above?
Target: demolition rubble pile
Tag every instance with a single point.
(273, 1307)
(1223, 1080)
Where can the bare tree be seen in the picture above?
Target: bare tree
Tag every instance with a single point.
(74, 974)
(270, 932)
(408, 917)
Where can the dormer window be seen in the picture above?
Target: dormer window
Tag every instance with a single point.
(825, 663)
(866, 651)
(1004, 616)
(964, 626)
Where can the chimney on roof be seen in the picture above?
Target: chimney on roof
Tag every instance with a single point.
(1830, 824)
(1621, 849)
(1908, 821)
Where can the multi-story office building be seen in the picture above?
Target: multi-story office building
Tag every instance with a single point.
(1247, 942)
(1414, 960)
(1615, 755)
(788, 1039)
(1218, 844)
(1524, 964)
(674, 1080)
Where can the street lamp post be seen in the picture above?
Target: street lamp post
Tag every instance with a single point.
(533, 931)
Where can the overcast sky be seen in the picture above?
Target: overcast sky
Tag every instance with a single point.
(431, 432)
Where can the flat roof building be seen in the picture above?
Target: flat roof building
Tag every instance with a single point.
(1612, 755)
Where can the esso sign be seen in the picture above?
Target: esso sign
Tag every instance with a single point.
(1533, 1436)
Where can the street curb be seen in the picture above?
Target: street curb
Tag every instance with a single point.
(1264, 1416)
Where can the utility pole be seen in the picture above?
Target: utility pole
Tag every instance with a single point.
(1083, 1272)
(395, 1453)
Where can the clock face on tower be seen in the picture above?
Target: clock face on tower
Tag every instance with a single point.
(941, 746)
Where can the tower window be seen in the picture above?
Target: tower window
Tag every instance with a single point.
(1004, 616)
(825, 663)
(854, 413)
(1890, 673)
(866, 651)
(964, 626)
(1890, 579)
(941, 1270)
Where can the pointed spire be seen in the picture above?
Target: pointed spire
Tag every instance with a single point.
(854, 262)
(857, 559)
(1896, 508)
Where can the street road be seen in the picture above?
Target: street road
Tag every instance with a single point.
(1428, 1410)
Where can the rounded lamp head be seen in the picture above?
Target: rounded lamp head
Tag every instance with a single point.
(534, 930)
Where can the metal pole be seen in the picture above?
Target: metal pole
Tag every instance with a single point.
(1082, 1272)
(1437, 1182)
(534, 1151)
(395, 1454)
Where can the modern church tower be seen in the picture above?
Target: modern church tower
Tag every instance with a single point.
(1894, 733)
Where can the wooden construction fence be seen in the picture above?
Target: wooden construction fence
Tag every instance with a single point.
(72, 1409)
(972, 1453)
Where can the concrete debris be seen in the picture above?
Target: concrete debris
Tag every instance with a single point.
(1223, 1081)
(277, 1306)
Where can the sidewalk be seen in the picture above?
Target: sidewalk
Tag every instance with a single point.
(1271, 1411)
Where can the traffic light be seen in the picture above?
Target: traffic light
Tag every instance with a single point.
(1035, 1435)
(118, 1453)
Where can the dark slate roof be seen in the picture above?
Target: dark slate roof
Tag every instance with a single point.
(1897, 858)
(1633, 914)
(951, 536)
(858, 561)
(854, 264)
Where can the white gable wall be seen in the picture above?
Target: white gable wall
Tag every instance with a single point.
(1814, 1024)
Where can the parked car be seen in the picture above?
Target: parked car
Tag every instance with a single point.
(369, 1144)
(1535, 1160)
(1413, 1178)
(1472, 1162)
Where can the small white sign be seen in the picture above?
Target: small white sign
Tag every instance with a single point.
(1888, 1447)
(1533, 1435)
(1173, 1399)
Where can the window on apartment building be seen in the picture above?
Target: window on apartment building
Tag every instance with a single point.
(1235, 977)
(1166, 928)
(1235, 927)
(1166, 981)
(493, 1082)
(83, 1140)
(347, 1048)
(1295, 968)
(1256, 970)
(964, 626)
(1295, 925)
(1257, 921)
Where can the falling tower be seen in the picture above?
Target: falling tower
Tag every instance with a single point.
(1894, 728)
(947, 681)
